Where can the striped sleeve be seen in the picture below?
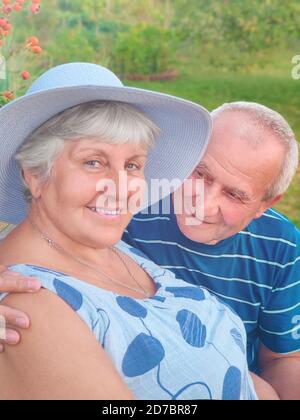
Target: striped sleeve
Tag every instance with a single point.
(279, 323)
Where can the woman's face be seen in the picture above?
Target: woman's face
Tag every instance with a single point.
(88, 195)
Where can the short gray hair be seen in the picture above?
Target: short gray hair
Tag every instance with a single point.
(266, 118)
(107, 121)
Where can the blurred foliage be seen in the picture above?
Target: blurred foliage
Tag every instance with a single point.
(237, 34)
(147, 36)
(143, 49)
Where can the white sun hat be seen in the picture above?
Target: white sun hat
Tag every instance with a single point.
(185, 126)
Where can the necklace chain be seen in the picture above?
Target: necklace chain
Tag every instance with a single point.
(59, 248)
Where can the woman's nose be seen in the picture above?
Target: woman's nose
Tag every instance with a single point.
(118, 179)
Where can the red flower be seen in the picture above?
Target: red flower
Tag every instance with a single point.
(33, 40)
(36, 49)
(17, 7)
(25, 75)
(7, 9)
(8, 95)
(34, 8)
(3, 22)
(7, 26)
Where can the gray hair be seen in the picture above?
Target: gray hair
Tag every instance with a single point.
(107, 121)
(266, 118)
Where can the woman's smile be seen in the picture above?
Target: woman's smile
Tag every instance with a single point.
(107, 214)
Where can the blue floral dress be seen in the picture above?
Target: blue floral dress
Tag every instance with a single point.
(182, 343)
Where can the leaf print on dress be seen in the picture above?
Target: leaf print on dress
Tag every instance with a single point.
(200, 391)
(131, 306)
(237, 336)
(188, 292)
(232, 384)
(158, 298)
(192, 329)
(142, 355)
(70, 295)
(104, 321)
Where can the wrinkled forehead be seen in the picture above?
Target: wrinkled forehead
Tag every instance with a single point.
(96, 146)
(235, 162)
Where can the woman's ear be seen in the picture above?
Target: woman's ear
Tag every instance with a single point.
(32, 182)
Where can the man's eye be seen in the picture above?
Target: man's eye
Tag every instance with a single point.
(200, 174)
(233, 196)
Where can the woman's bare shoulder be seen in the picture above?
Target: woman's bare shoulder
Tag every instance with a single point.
(55, 354)
(12, 246)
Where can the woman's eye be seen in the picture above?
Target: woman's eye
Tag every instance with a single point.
(93, 163)
(133, 166)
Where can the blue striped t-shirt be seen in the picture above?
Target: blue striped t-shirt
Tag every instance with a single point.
(256, 272)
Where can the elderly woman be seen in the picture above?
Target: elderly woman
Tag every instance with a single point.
(108, 323)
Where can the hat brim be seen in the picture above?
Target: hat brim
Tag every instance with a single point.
(185, 131)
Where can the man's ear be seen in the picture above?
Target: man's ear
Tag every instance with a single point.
(32, 182)
(267, 204)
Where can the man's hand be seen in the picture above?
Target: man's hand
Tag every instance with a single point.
(10, 319)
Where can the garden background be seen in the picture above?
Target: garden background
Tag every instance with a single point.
(208, 51)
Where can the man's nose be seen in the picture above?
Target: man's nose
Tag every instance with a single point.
(211, 201)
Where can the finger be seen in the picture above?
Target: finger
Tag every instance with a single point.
(1, 348)
(14, 317)
(11, 337)
(2, 268)
(13, 282)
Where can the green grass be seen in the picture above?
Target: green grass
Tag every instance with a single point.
(279, 92)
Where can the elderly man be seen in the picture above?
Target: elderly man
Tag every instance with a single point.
(243, 251)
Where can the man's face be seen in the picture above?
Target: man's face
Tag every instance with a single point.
(236, 176)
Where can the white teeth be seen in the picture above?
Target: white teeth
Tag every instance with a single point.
(106, 212)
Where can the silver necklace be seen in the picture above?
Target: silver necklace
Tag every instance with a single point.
(60, 249)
